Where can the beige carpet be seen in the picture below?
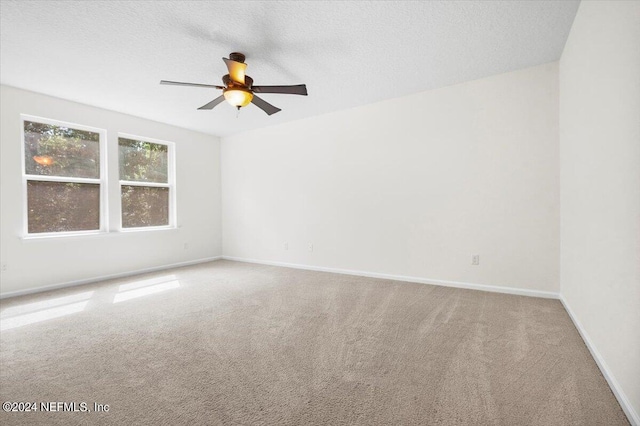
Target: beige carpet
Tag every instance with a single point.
(240, 344)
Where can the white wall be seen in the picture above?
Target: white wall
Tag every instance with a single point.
(35, 263)
(412, 186)
(600, 184)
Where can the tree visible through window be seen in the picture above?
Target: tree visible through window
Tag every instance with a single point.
(145, 183)
(63, 178)
(65, 182)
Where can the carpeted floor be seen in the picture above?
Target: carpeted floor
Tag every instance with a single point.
(241, 344)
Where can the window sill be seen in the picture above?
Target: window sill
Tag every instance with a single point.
(147, 229)
(97, 234)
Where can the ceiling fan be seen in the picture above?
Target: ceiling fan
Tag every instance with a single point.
(238, 89)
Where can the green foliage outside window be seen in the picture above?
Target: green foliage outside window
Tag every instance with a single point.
(55, 153)
(61, 151)
(144, 162)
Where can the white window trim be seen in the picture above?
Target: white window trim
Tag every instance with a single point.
(171, 183)
(102, 181)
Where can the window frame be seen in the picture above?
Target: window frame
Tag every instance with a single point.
(102, 180)
(171, 183)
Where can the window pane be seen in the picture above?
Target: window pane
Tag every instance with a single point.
(61, 151)
(144, 206)
(61, 206)
(143, 161)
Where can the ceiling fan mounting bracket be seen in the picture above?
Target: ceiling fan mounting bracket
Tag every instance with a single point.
(237, 56)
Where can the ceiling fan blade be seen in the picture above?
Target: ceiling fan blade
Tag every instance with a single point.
(299, 89)
(179, 83)
(213, 103)
(236, 70)
(264, 105)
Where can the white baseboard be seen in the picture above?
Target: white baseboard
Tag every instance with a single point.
(104, 277)
(457, 284)
(622, 398)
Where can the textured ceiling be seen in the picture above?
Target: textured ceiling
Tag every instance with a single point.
(112, 54)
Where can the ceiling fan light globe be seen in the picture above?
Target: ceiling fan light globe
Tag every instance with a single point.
(238, 97)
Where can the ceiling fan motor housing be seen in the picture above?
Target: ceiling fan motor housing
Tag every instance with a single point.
(227, 81)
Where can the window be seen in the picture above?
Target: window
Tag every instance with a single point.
(63, 177)
(147, 183)
(65, 180)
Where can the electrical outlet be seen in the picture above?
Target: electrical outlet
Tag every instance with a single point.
(310, 246)
(4, 267)
(475, 259)
(186, 246)
(286, 246)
